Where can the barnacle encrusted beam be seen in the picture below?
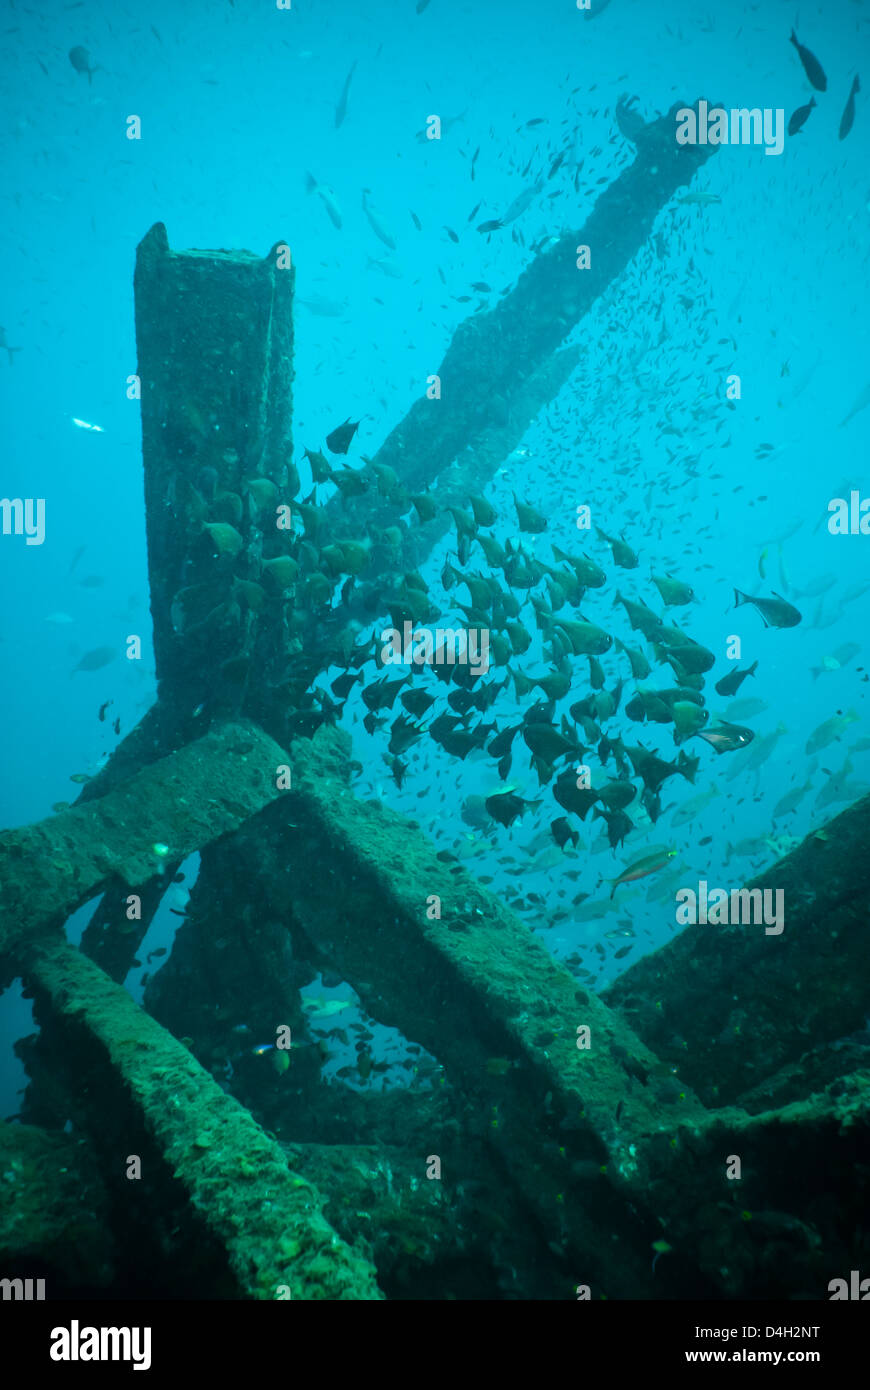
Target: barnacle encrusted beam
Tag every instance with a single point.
(561, 1083)
(731, 1005)
(266, 1219)
(163, 813)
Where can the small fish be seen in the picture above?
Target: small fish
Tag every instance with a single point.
(799, 118)
(385, 266)
(837, 660)
(81, 61)
(323, 307)
(491, 226)
(326, 1008)
(481, 287)
(529, 519)
(847, 119)
(327, 197)
(505, 805)
(861, 402)
(84, 425)
(701, 200)
(811, 65)
(9, 349)
(375, 222)
(341, 108)
(649, 865)
(725, 738)
(521, 202)
(80, 777)
(498, 1066)
(775, 612)
(338, 441)
(832, 729)
(730, 684)
(673, 591)
(58, 619)
(745, 709)
(95, 659)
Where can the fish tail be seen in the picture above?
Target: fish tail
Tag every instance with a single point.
(740, 598)
(753, 668)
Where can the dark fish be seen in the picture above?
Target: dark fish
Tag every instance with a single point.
(95, 659)
(623, 554)
(618, 826)
(529, 519)
(452, 235)
(578, 800)
(812, 66)
(102, 711)
(338, 442)
(800, 117)
(81, 60)
(341, 108)
(421, 6)
(417, 702)
(425, 506)
(730, 684)
(726, 737)
(417, 223)
(403, 733)
(505, 806)
(343, 685)
(775, 612)
(673, 591)
(848, 117)
(320, 469)
(562, 832)
(381, 694)
(484, 512)
(491, 226)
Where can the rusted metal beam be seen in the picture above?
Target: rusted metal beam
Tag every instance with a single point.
(730, 1005)
(163, 813)
(265, 1219)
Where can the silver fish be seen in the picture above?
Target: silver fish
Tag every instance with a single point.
(327, 197)
(341, 108)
